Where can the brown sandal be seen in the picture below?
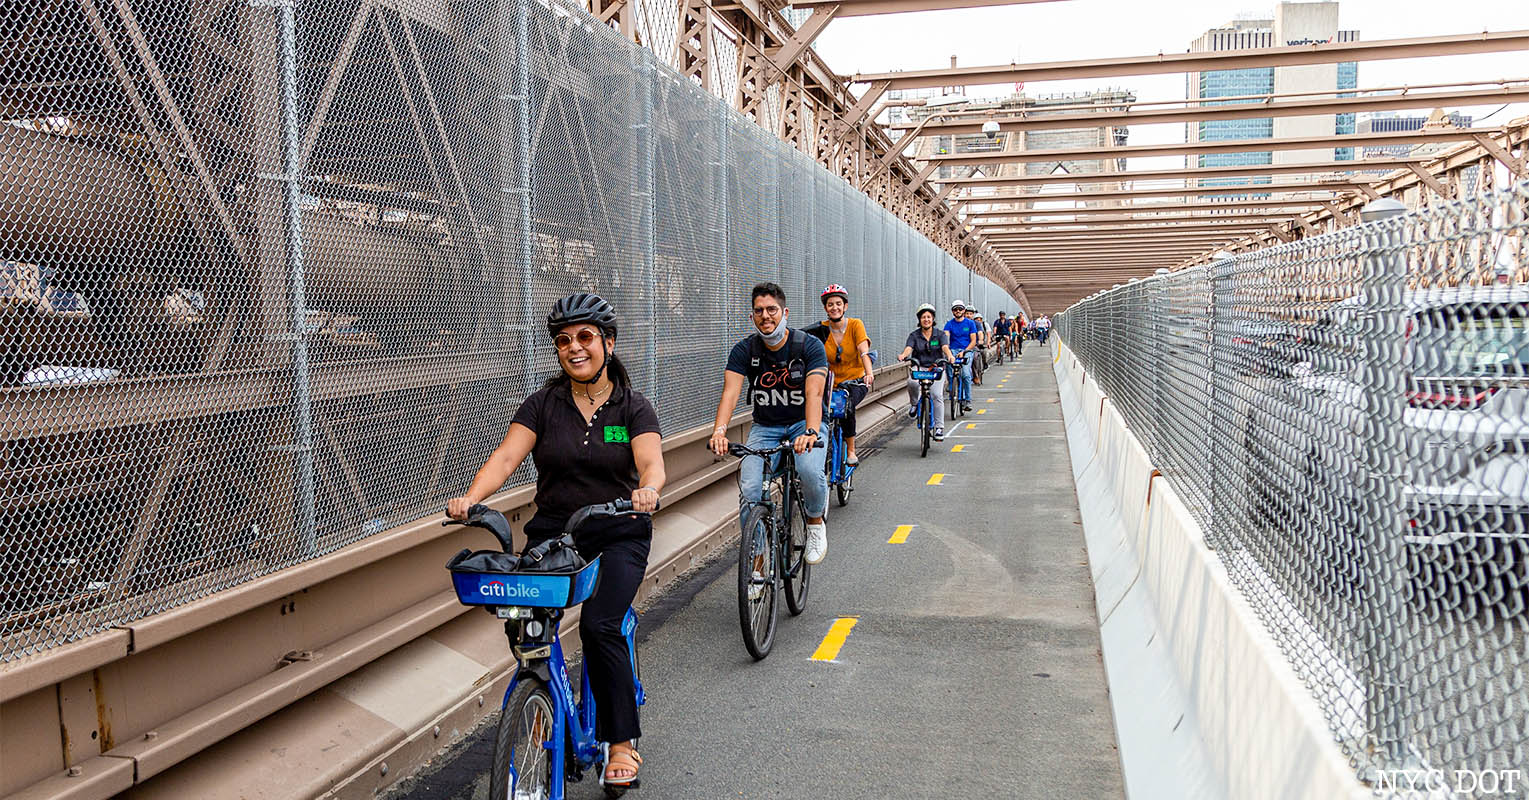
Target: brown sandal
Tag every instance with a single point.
(627, 758)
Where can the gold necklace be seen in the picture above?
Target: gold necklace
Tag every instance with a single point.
(590, 398)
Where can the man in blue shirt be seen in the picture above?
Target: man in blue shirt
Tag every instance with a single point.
(963, 339)
(786, 371)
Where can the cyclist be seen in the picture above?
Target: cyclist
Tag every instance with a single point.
(593, 437)
(849, 358)
(786, 370)
(1003, 331)
(979, 357)
(1019, 332)
(926, 345)
(963, 339)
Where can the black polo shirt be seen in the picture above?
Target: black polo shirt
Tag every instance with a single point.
(580, 463)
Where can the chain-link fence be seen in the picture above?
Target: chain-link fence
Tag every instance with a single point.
(1346, 417)
(272, 274)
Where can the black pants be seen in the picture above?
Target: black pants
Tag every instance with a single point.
(623, 546)
(857, 393)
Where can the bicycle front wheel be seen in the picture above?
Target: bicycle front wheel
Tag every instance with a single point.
(522, 762)
(756, 582)
(798, 572)
(926, 421)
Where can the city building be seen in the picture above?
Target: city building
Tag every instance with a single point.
(1292, 24)
(956, 107)
(1392, 122)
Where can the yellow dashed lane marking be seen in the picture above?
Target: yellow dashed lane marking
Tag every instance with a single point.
(991, 399)
(958, 448)
(935, 479)
(981, 411)
(834, 641)
(901, 534)
(971, 426)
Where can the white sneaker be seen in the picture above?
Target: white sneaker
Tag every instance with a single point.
(939, 434)
(756, 586)
(817, 542)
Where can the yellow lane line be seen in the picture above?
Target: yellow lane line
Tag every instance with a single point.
(971, 426)
(991, 399)
(981, 411)
(834, 641)
(901, 534)
(935, 479)
(958, 448)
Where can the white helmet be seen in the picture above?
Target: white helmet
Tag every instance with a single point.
(955, 304)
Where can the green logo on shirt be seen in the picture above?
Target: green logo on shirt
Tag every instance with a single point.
(616, 433)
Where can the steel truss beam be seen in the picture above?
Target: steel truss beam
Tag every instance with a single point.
(1098, 222)
(1242, 206)
(1302, 108)
(1242, 170)
(1163, 63)
(1324, 187)
(1355, 140)
(863, 8)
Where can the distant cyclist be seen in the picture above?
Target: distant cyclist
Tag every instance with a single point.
(927, 345)
(786, 370)
(979, 356)
(592, 437)
(963, 339)
(849, 359)
(1002, 331)
(1019, 332)
(1043, 328)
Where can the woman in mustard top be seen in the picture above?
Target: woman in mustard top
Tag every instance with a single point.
(849, 358)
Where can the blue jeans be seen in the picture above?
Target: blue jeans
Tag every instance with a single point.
(809, 466)
(966, 372)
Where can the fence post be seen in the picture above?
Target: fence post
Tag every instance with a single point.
(302, 397)
(645, 198)
(1384, 284)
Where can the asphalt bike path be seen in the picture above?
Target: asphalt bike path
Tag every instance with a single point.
(950, 644)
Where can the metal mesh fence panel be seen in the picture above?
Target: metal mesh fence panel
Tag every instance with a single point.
(273, 275)
(1346, 418)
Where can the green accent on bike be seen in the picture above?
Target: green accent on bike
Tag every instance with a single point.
(616, 433)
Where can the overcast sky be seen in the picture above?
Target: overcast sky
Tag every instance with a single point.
(1082, 29)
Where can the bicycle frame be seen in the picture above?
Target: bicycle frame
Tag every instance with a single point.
(791, 492)
(573, 719)
(960, 387)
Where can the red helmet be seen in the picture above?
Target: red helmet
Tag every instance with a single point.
(834, 289)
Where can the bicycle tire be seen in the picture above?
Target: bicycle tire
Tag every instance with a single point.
(757, 616)
(926, 421)
(525, 725)
(843, 489)
(797, 572)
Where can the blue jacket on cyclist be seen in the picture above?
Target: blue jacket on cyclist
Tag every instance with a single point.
(963, 335)
(786, 371)
(594, 439)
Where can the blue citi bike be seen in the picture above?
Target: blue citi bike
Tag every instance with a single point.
(958, 387)
(546, 735)
(924, 411)
(841, 474)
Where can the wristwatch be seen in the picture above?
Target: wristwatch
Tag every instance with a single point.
(810, 432)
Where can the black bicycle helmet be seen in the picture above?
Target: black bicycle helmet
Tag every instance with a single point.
(582, 307)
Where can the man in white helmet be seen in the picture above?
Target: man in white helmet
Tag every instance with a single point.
(963, 340)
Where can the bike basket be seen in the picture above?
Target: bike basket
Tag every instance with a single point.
(926, 374)
(838, 403)
(534, 589)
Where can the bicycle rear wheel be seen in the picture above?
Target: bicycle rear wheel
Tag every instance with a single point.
(522, 763)
(798, 572)
(756, 582)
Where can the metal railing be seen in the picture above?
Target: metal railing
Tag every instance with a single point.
(1346, 418)
(273, 278)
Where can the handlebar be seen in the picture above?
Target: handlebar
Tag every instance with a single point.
(481, 516)
(740, 450)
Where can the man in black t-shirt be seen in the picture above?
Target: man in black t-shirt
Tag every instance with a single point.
(786, 371)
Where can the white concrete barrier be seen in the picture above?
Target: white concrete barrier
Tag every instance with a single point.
(1205, 705)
